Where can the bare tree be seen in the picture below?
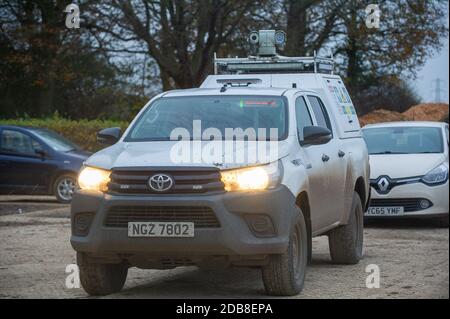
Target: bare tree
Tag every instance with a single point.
(180, 35)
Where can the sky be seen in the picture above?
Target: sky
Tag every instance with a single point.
(435, 67)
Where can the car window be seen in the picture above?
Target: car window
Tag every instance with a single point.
(302, 116)
(320, 112)
(403, 140)
(18, 143)
(55, 141)
(261, 114)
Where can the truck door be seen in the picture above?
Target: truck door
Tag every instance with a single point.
(330, 158)
(315, 167)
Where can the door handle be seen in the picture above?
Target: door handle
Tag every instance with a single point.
(341, 153)
(325, 158)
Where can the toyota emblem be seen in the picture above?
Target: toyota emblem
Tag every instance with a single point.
(160, 182)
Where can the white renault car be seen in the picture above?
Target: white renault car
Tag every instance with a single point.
(409, 169)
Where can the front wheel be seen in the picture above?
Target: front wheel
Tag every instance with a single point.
(346, 241)
(284, 275)
(64, 187)
(101, 279)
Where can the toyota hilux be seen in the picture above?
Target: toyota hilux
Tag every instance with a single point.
(243, 171)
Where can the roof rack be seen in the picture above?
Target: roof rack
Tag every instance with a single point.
(273, 64)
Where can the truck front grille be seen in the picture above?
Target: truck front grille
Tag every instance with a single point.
(201, 216)
(409, 204)
(186, 181)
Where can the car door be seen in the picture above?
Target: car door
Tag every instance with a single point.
(331, 169)
(23, 169)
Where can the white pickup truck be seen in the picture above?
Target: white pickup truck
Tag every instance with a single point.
(142, 205)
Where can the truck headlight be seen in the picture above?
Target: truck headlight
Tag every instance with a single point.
(93, 179)
(252, 178)
(437, 175)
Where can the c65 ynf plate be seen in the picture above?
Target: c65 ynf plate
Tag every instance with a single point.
(160, 229)
(385, 211)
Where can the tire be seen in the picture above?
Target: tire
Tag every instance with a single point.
(101, 279)
(64, 187)
(346, 241)
(284, 275)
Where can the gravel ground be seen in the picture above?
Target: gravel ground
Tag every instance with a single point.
(25, 204)
(413, 258)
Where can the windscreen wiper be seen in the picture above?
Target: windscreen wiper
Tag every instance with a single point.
(387, 152)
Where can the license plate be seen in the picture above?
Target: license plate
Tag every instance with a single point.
(385, 211)
(160, 229)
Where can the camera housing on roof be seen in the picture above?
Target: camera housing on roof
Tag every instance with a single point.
(267, 41)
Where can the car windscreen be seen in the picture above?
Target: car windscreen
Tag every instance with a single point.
(261, 114)
(55, 141)
(403, 140)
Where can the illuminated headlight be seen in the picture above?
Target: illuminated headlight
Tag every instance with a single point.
(437, 175)
(93, 179)
(253, 178)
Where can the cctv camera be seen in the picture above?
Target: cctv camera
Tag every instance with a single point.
(254, 37)
(280, 38)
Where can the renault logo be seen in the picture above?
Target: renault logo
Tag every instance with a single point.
(160, 182)
(383, 184)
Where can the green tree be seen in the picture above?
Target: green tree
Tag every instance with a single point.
(46, 67)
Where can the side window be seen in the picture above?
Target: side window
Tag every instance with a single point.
(302, 116)
(15, 142)
(320, 112)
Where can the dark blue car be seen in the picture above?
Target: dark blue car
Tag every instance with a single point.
(36, 161)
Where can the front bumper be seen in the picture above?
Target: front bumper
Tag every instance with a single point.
(437, 195)
(233, 237)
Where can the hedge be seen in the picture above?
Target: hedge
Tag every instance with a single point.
(82, 132)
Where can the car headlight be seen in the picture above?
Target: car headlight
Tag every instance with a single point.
(437, 175)
(252, 178)
(93, 179)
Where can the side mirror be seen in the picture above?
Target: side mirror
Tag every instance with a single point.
(316, 135)
(41, 153)
(109, 136)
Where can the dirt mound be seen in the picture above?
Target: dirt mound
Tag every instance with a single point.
(421, 112)
(381, 115)
(427, 112)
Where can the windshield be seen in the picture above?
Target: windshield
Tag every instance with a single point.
(260, 114)
(55, 141)
(404, 140)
